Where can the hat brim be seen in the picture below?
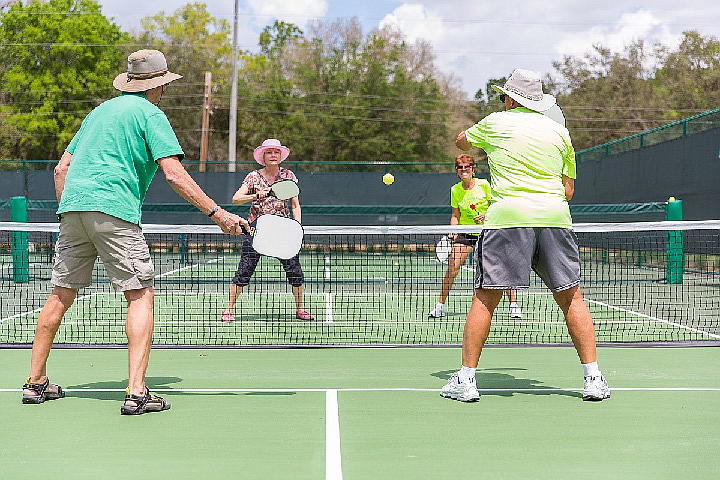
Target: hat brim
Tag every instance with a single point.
(537, 105)
(258, 153)
(135, 85)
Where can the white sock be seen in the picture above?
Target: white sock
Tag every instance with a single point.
(467, 374)
(513, 304)
(591, 369)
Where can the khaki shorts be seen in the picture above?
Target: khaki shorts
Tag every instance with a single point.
(120, 245)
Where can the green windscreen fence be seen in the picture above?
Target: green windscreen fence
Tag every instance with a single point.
(186, 214)
(687, 126)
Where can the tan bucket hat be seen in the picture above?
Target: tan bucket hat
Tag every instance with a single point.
(146, 69)
(524, 86)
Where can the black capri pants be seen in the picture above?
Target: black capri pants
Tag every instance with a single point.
(250, 258)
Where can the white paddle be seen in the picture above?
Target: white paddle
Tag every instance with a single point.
(555, 113)
(443, 249)
(284, 189)
(276, 236)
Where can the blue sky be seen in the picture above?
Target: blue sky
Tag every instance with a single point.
(473, 40)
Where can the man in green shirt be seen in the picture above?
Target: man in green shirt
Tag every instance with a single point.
(527, 226)
(100, 183)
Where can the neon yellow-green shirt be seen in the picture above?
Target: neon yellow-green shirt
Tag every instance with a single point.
(528, 154)
(470, 202)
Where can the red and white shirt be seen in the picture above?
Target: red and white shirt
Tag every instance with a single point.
(254, 181)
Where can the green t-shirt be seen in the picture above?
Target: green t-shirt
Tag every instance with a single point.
(470, 202)
(113, 157)
(528, 154)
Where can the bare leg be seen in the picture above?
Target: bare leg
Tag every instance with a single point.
(57, 304)
(139, 329)
(235, 291)
(477, 325)
(298, 294)
(458, 255)
(579, 323)
(511, 295)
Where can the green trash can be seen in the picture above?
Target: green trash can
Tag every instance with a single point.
(19, 241)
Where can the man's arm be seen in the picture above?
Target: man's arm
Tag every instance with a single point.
(462, 143)
(185, 186)
(60, 173)
(569, 184)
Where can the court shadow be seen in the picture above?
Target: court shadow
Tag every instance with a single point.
(509, 384)
(154, 383)
(269, 393)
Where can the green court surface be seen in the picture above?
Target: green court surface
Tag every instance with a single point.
(359, 413)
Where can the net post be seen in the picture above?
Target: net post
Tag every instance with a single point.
(183, 249)
(674, 257)
(19, 241)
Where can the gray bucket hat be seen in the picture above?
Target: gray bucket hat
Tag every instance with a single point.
(524, 86)
(146, 69)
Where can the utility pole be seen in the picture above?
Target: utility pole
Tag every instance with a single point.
(233, 95)
(205, 122)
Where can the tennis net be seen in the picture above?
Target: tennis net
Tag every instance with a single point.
(643, 282)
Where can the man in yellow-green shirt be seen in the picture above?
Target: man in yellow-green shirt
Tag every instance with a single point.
(527, 226)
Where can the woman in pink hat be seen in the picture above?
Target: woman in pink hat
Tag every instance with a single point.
(255, 189)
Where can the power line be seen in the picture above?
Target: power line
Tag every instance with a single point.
(469, 21)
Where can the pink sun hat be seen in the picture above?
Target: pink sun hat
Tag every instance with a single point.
(267, 144)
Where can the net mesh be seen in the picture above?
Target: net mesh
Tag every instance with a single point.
(643, 282)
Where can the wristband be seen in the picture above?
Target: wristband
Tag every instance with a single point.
(214, 211)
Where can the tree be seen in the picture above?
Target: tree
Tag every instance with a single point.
(608, 95)
(336, 95)
(194, 42)
(58, 61)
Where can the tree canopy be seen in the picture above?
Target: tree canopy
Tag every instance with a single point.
(57, 62)
(333, 93)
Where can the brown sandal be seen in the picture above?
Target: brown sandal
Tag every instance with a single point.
(143, 403)
(41, 392)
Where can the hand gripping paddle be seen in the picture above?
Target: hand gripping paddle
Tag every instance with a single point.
(276, 236)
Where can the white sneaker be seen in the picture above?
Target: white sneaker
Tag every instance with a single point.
(459, 390)
(438, 311)
(596, 389)
(515, 311)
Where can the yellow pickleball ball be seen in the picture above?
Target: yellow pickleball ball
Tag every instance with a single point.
(671, 199)
(388, 178)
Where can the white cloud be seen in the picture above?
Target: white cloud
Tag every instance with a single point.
(299, 12)
(631, 26)
(477, 41)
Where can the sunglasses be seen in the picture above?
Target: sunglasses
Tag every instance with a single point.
(502, 97)
(463, 167)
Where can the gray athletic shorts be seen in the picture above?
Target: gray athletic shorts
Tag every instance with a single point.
(505, 257)
(120, 245)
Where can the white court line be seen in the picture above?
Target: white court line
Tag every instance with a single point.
(23, 314)
(333, 458)
(83, 297)
(328, 308)
(399, 389)
(656, 319)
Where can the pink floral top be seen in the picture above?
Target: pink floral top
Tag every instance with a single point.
(255, 182)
